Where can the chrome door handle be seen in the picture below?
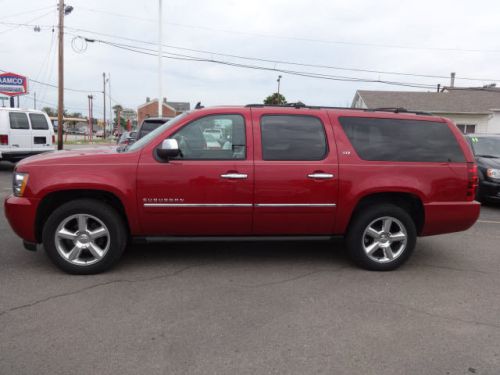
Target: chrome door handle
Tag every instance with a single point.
(320, 176)
(234, 176)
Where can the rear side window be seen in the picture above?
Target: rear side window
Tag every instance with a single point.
(293, 138)
(378, 139)
(18, 120)
(38, 121)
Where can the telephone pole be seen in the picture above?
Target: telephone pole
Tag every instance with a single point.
(63, 10)
(160, 95)
(104, 103)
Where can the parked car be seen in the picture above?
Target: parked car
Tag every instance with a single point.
(99, 133)
(486, 149)
(377, 178)
(24, 132)
(126, 139)
(150, 124)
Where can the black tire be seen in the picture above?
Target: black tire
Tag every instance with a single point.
(114, 241)
(357, 240)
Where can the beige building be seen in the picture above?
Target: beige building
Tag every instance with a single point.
(474, 110)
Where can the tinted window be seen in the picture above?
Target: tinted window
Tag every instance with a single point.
(402, 140)
(487, 146)
(18, 120)
(38, 121)
(198, 140)
(293, 138)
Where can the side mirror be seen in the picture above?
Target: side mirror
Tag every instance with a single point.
(169, 148)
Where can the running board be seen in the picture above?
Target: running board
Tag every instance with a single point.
(231, 239)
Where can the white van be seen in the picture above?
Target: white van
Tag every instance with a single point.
(24, 132)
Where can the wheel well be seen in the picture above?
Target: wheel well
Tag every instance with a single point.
(409, 202)
(56, 199)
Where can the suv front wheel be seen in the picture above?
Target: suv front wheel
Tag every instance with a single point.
(381, 237)
(84, 236)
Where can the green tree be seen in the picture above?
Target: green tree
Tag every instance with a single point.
(275, 99)
(50, 111)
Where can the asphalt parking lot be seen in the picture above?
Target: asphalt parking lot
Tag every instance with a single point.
(267, 308)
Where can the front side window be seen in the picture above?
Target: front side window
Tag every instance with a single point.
(215, 137)
(379, 139)
(38, 121)
(18, 120)
(300, 138)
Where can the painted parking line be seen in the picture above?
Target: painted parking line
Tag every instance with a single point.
(488, 221)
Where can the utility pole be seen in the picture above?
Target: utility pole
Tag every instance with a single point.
(160, 95)
(279, 80)
(63, 10)
(91, 119)
(60, 88)
(110, 106)
(104, 102)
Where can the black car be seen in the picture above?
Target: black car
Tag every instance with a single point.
(150, 124)
(486, 149)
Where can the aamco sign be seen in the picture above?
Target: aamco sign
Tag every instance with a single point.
(12, 84)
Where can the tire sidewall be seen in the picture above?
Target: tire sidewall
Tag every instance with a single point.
(100, 210)
(360, 222)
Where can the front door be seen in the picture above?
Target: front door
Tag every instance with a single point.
(296, 173)
(208, 189)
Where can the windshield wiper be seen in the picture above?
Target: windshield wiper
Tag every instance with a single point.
(488, 156)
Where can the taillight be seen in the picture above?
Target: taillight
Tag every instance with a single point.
(4, 139)
(53, 139)
(472, 181)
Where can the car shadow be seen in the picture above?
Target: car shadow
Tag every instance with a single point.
(311, 252)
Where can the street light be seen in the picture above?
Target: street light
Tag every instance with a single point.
(279, 80)
(63, 11)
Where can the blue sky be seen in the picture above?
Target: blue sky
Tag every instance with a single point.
(424, 37)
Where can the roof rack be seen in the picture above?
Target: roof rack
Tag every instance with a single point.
(302, 105)
(398, 110)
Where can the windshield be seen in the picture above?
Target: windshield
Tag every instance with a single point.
(150, 136)
(486, 146)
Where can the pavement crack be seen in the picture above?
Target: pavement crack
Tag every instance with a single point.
(90, 287)
(433, 315)
(287, 280)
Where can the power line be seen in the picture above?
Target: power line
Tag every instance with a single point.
(284, 62)
(302, 39)
(26, 12)
(151, 52)
(16, 26)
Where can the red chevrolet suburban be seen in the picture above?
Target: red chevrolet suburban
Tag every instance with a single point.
(380, 178)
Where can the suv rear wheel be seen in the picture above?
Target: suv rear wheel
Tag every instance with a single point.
(381, 238)
(84, 236)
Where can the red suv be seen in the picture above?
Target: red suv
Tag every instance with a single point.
(379, 178)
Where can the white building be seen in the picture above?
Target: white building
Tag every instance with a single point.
(474, 110)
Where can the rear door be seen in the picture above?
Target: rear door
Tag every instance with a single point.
(41, 132)
(19, 132)
(296, 173)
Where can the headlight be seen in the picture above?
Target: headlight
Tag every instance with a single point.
(493, 173)
(19, 183)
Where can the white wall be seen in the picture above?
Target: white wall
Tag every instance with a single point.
(482, 122)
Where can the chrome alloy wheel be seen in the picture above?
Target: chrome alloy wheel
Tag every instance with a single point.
(82, 239)
(384, 239)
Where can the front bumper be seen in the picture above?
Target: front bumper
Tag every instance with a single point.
(448, 217)
(489, 190)
(21, 214)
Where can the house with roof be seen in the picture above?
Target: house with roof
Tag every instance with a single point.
(473, 109)
(169, 109)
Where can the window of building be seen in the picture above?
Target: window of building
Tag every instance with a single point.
(377, 139)
(293, 138)
(467, 128)
(216, 137)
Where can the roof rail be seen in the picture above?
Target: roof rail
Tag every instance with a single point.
(302, 105)
(398, 110)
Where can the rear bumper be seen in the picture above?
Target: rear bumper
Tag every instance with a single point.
(21, 214)
(448, 217)
(18, 155)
